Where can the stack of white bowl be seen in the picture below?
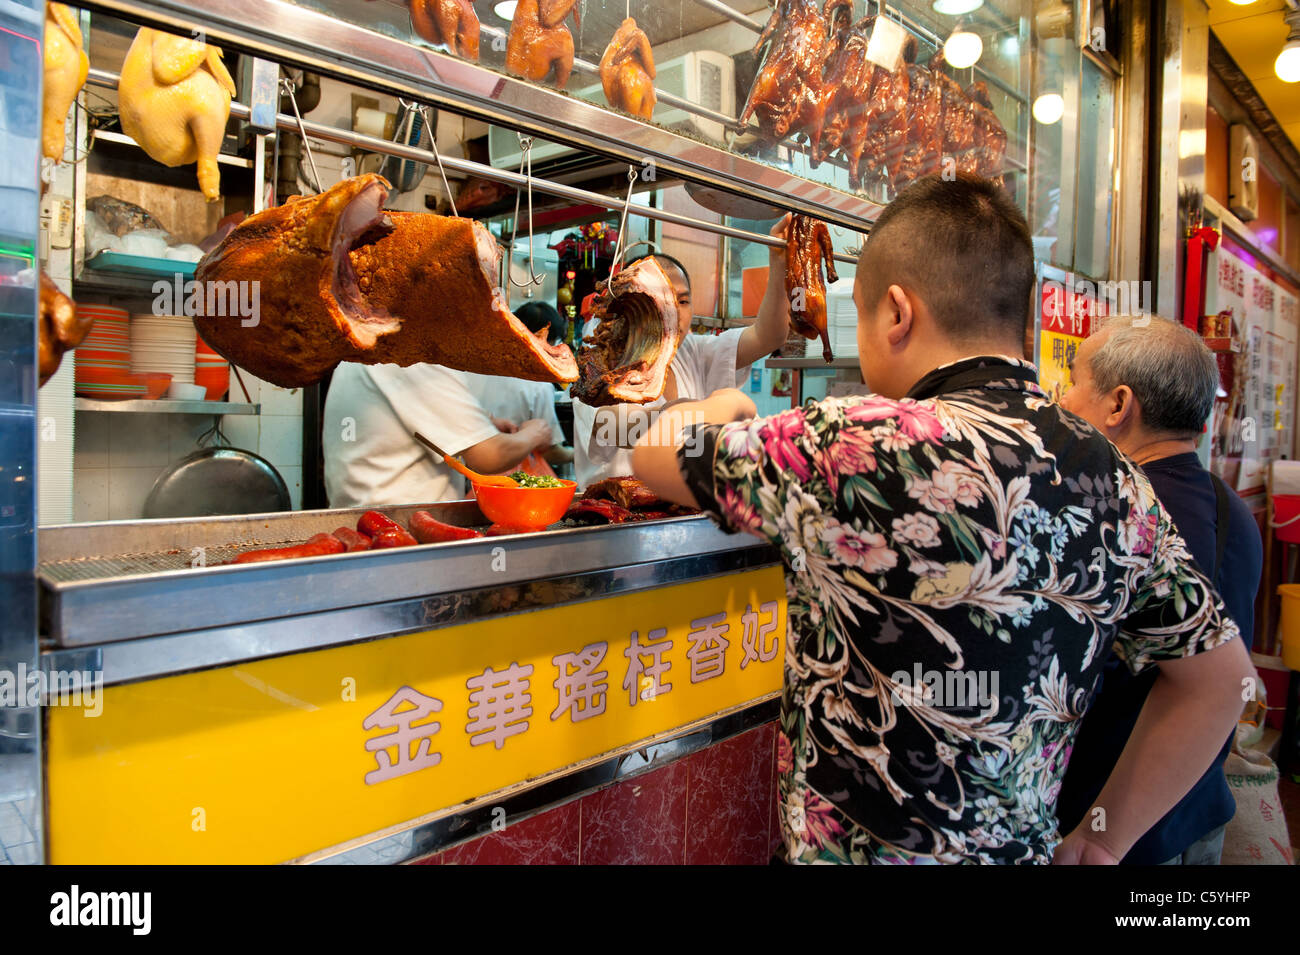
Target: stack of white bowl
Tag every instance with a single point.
(841, 321)
(163, 343)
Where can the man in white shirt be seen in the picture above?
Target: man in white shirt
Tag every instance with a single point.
(603, 438)
(515, 400)
(371, 457)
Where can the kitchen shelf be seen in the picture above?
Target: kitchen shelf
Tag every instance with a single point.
(115, 284)
(142, 406)
(121, 139)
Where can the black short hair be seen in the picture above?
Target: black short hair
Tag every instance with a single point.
(963, 247)
(539, 315)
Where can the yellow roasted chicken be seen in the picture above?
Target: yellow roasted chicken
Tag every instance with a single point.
(174, 99)
(66, 67)
(627, 71)
(540, 44)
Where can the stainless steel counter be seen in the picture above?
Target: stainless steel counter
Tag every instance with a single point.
(147, 598)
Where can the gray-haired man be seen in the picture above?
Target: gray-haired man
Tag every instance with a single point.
(1149, 385)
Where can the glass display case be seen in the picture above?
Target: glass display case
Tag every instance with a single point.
(847, 94)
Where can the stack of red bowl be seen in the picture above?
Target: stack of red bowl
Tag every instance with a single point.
(211, 371)
(104, 357)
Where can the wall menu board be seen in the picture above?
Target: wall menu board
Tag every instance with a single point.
(1260, 409)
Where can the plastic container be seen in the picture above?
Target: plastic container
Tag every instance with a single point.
(526, 508)
(183, 391)
(1289, 626)
(211, 371)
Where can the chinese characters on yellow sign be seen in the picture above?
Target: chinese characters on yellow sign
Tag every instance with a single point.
(500, 702)
(283, 757)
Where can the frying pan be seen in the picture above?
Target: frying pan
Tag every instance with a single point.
(216, 481)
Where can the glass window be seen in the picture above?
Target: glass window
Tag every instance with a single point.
(921, 87)
(1096, 170)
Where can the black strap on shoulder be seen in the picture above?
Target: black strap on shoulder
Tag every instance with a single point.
(1222, 518)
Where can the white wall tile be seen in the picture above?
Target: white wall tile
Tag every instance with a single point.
(185, 431)
(90, 495)
(139, 441)
(280, 401)
(242, 431)
(127, 490)
(293, 478)
(250, 382)
(281, 442)
(91, 449)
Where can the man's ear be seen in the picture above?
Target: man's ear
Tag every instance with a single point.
(1121, 408)
(900, 315)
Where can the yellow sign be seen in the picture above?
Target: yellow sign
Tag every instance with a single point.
(271, 760)
(1056, 352)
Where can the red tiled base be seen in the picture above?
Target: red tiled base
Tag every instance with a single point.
(774, 841)
(549, 838)
(716, 807)
(640, 821)
(729, 801)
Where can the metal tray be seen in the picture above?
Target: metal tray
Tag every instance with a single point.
(114, 581)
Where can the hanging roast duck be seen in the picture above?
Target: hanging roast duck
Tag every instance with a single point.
(539, 43)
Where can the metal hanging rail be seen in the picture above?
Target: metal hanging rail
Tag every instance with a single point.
(347, 137)
(723, 10)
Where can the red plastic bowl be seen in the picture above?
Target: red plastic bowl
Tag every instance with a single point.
(155, 384)
(526, 508)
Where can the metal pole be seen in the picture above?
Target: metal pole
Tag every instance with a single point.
(722, 9)
(21, 743)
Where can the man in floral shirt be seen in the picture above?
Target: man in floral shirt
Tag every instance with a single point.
(962, 555)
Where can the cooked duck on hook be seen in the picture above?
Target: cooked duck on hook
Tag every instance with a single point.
(539, 42)
(452, 23)
(808, 244)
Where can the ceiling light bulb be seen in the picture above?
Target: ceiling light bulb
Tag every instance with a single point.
(963, 49)
(1049, 108)
(1287, 64)
(1243, 3)
(955, 8)
(506, 9)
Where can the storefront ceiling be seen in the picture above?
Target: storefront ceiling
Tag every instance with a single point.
(1253, 36)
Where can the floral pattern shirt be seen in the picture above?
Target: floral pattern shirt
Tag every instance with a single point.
(959, 564)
